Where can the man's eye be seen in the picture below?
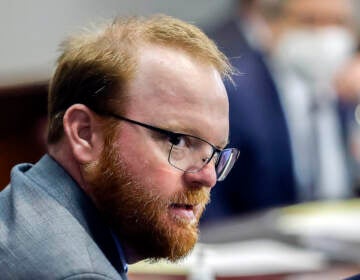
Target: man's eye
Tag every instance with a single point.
(178, 140)
(215, 157)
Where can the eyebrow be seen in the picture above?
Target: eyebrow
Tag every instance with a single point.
(196, 133)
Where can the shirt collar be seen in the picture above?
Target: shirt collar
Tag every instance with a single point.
(123, 266)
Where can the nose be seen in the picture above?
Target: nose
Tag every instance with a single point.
(205, 177)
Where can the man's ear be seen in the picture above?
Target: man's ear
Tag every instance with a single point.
(83, 133)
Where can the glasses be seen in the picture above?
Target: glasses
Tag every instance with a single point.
(190, 153)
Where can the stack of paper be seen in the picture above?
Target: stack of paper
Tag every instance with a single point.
(332, 227)
(253, 257)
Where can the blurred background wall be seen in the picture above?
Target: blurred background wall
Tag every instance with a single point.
(31, 30)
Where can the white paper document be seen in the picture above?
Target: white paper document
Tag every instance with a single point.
(255, 257)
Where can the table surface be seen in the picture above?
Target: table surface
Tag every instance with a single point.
(343, 258)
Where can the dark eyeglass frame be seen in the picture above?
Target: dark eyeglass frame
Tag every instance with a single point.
(172, 135)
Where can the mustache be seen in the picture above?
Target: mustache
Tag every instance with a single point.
(199, 196)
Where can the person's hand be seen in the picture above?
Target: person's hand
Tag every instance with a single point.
(347, 82)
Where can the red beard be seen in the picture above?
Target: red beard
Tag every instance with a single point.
(138, 214)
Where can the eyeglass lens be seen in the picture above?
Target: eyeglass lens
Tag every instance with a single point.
(191, 154)
(226, 162)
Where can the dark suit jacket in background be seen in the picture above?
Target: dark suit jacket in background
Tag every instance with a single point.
(264, 175)
(355, 277)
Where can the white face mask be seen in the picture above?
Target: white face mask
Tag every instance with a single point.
(317, 54)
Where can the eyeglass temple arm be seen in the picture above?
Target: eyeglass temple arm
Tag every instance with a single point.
(157, 129)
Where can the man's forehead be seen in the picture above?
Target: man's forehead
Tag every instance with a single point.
(171, 71)
(162, 58)
(173, 90)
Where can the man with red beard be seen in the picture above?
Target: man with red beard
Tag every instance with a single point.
(138, 124)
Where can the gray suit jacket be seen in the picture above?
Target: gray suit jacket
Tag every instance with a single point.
(49, 228)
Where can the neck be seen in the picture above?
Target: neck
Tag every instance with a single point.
(131, 255)
(62, 154)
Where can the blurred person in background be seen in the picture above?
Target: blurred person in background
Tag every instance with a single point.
(347, 85)
(285, 114)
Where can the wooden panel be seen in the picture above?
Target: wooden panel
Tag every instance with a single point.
(22, 127)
